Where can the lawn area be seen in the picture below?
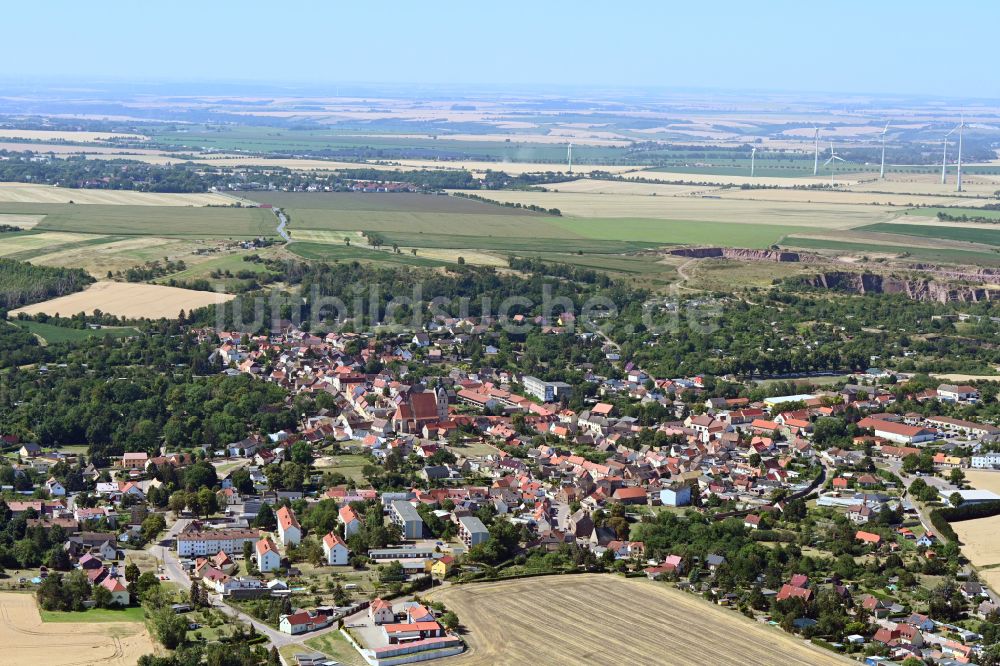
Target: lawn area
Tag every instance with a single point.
(131, 614)
(986, 235)
(475, 448)
(55, 334)
(349, 465)
(331, 252)
(169, 221)
(335, 646)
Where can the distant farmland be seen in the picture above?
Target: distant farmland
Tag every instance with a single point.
(984, 235)
(168, 221)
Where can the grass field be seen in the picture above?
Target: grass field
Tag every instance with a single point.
(348, 465)
(503, 625)
(26, 639)
(957, 212)
(984, 234)
(131, 300)
(678, 232)
(333, 645)
(55, 334)
(331, 252)
(133, 614)
(161, 221)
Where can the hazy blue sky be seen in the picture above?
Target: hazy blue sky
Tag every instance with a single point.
(911, 46)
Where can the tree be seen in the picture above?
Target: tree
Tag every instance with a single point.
(170, 628)
(131, 572)
(302, 453)
(265, 519)
(103, 597)
(955, 499)
(208, 502)
(990, 656)
(450, 621)
(957, 477)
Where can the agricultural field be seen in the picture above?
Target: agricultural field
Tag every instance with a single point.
(28, 245)
(27, 639)
(25, 222)
(160, 221)
(388, 202)
(52, 334)
(983, 479)
(958, 212)
(983, 234)
(348, 465)
(26, 193)
(503, 626)
(870, 249)
(67, 135)
(792, 213)
(981, 545)
(131, 300)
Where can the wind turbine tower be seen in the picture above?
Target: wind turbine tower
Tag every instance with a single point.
(881, 172)
(816, 156)
(961, 126)
(944, 158)
(834, 157)
(569, 156)
(753, 153)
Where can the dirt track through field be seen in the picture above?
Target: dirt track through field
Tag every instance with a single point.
(599, 619)
(25, 639)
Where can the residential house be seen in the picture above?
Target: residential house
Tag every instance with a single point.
(335, 549)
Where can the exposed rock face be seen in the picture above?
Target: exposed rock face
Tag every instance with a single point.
(740, 254)
(918, 289)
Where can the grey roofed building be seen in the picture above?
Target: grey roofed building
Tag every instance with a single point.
(404, 515)
(472, 530)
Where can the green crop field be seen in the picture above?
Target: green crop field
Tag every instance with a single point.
(395, 202)
(986, 235)
(55, 334)
(382, 140)
(167, 221)
(930, 254)
(957, 212)
(332, 252)
(514, 243)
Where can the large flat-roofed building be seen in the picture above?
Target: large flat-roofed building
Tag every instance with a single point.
(404, 553)
(472, 530)
(404, 515)
(546, 391)
(210, 542)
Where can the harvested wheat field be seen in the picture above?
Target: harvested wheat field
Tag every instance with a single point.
(22, 193)
(595, 186)
(981, 544)
(605, 619)
(984, 479)
(131, 300)
(25, 639)
(699, 209)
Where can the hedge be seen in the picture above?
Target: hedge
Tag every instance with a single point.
(941, 518)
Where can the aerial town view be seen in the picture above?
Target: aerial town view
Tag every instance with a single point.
(550, 334)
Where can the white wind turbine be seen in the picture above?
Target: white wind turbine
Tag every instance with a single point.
(881, 172)
(569, 156)
(816, 155)
(753, 154)
(944, 158)
(833, 157)
(961, 126)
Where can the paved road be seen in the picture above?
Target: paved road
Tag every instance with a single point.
(281, 226)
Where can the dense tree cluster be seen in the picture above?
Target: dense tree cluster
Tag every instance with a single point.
(22, 283)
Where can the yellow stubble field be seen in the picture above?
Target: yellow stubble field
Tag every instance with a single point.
(125, 299)
(25, 639)
(586, 619)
